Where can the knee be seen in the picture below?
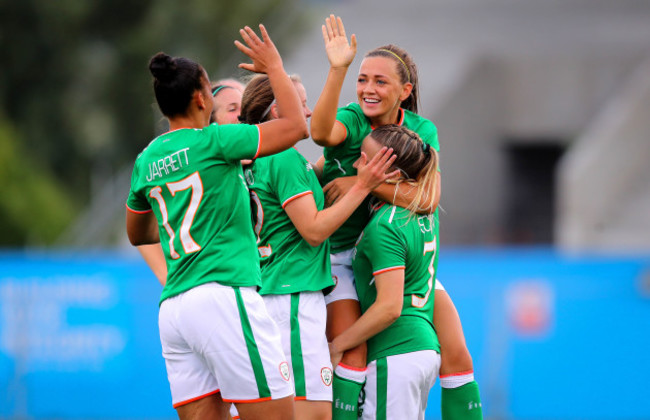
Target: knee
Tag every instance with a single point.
(355, 357)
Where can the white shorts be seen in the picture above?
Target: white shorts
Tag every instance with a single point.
(397, 387)
(301, 318)
(218, 338)
(343, 276)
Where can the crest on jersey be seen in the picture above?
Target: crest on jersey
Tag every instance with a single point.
(249, 176)
(326, 376)
(284, 371)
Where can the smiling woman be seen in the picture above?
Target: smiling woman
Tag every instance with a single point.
(387, 93)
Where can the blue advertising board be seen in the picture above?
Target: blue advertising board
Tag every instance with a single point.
(552, 336)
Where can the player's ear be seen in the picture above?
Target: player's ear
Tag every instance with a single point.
(406, 91)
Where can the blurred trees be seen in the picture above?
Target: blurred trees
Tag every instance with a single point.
(75, 90)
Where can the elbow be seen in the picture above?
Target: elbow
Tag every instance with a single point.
(318, 136)
(137, 241)
(301, 129)
(392, 314)
(314, 239)
(392, 311)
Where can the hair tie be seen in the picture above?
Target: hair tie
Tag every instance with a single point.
(217, 89)
(426, 148)
(408, 73)
(267, 110)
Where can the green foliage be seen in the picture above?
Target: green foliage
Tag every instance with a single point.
(35, 209)
(75, 84)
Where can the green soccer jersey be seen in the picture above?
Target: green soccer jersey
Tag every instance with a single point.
(339, 160)
(289, 264)
(193, 182)
(394, 239)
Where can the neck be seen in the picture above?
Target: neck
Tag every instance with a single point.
(392, 117)
(186, 121)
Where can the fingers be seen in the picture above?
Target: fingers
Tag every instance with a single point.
(358, 164)
(265, 35)
(340, 27)
(329, 26)
(353, 43)
(393, 174)
(250, 36)
(382, 157)
(243, 48)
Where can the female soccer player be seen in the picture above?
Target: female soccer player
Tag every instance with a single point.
(188, 192)
(227, 104)
(394, 267)
(292, 230)
(387, 92)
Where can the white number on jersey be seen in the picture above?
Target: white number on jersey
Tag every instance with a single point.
(418, 301)
(194, 183)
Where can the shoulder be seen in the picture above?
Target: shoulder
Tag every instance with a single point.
(350, 112)
(386, 217)
(425, 128)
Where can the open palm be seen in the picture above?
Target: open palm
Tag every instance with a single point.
(340, 52)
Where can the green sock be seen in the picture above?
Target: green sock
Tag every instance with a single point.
(462, 403)
(345, 402)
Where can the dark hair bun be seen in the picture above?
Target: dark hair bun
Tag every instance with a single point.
(162, 67)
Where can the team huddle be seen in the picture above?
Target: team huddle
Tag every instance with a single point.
(292, 289)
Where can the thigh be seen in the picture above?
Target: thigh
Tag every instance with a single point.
(398, 386)
(212, 407)
(239, 342)
(301, 318)
(189, 377)
(310, 352)
(455, 355)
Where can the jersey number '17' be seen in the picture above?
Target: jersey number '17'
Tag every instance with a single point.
(192, 182)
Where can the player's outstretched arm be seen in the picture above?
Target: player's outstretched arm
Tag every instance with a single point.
(340, 54)
(290, 126)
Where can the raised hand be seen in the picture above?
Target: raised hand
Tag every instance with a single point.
(372, 174)
(340, 53)
(261, 51)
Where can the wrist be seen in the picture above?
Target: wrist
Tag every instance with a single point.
(340, 69)
(275, 68)
(361, 187)
(336, 346)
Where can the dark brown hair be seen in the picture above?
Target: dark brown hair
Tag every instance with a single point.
(406, 69)
(175, 81)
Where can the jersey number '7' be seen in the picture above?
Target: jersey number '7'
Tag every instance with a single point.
(194, 183)
(418, 301)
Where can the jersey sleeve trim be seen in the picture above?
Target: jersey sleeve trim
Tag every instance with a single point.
(344, 128)
(290, 199)
(385, 270)
(259, 142)
(137, 211)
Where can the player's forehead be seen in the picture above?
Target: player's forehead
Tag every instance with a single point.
(378, 66)
(228, 95)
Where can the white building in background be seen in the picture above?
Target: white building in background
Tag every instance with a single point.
(543, 111)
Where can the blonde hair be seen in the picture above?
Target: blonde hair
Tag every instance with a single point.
(416, 160)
